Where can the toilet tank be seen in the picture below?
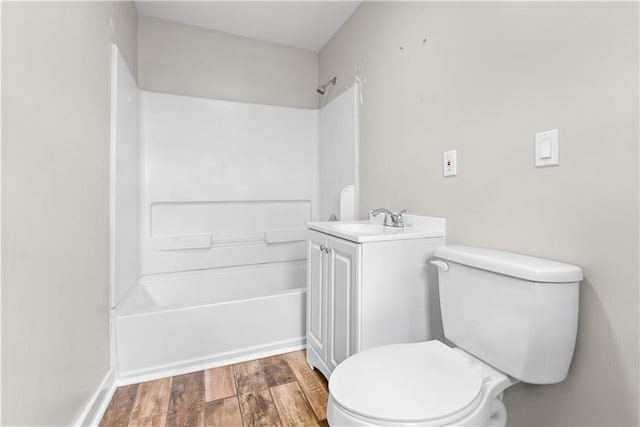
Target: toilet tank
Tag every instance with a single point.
(514, 312)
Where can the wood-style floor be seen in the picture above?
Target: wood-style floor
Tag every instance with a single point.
(275, 391)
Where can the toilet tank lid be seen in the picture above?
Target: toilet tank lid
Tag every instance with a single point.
(521, 266)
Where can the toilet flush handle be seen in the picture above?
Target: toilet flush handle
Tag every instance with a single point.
(442, 266)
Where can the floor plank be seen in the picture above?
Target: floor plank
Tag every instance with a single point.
(186, 404)
(152, 421)
(273, 391)
(119, 410)
(152, 399)
(250, 377)
(257, 409)
(293, 408)
(219, 383)
(277, 371)
(223, 413)
(312, 383)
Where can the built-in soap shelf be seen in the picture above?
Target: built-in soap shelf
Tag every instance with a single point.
(285, 235)
(174, 243)
(183, 225)
(206, 241)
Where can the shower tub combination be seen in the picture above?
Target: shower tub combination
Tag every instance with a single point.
(209, 205)
(179, 322)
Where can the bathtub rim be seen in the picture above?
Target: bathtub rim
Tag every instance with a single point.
(157, 310)
(188, 275)
(145, 281)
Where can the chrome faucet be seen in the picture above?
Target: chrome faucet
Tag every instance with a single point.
(390, 219)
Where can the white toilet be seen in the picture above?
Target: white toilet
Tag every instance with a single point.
(511, 317)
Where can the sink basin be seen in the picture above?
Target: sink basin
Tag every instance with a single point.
(359, 228)
(416, 227)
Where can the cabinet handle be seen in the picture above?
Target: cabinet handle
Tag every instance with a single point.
(323, 248)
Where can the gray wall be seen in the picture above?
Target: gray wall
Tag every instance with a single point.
(187, 60)
(482, 78)
(56, 60)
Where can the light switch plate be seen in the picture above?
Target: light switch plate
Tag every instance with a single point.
(546, 148)
(449, 163)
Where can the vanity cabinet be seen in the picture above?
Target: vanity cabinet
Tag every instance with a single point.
(366, 294)
(332, 299)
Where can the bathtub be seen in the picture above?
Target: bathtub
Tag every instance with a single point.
(181, 322)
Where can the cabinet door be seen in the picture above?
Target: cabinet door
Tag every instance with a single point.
(316, 293)
(344, 289)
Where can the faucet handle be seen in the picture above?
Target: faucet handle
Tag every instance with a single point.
(398, 221)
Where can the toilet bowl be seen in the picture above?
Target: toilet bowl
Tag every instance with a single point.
(512, 318)
(417, 384)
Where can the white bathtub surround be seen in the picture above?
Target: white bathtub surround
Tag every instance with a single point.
(124, 180)
(223, 194)
(180, 322)
(228, 170)
(338, 155)
(348, 202)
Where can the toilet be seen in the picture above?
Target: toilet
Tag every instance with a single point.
(509, 318)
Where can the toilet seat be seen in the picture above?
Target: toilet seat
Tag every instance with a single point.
(426, 382)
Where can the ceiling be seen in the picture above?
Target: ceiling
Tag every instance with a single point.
(303, 24)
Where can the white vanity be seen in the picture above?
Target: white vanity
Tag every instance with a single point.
(368, 285)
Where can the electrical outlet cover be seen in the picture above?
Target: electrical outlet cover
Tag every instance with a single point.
(449, 163)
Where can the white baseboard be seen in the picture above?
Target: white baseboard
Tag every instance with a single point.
(97, 405)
